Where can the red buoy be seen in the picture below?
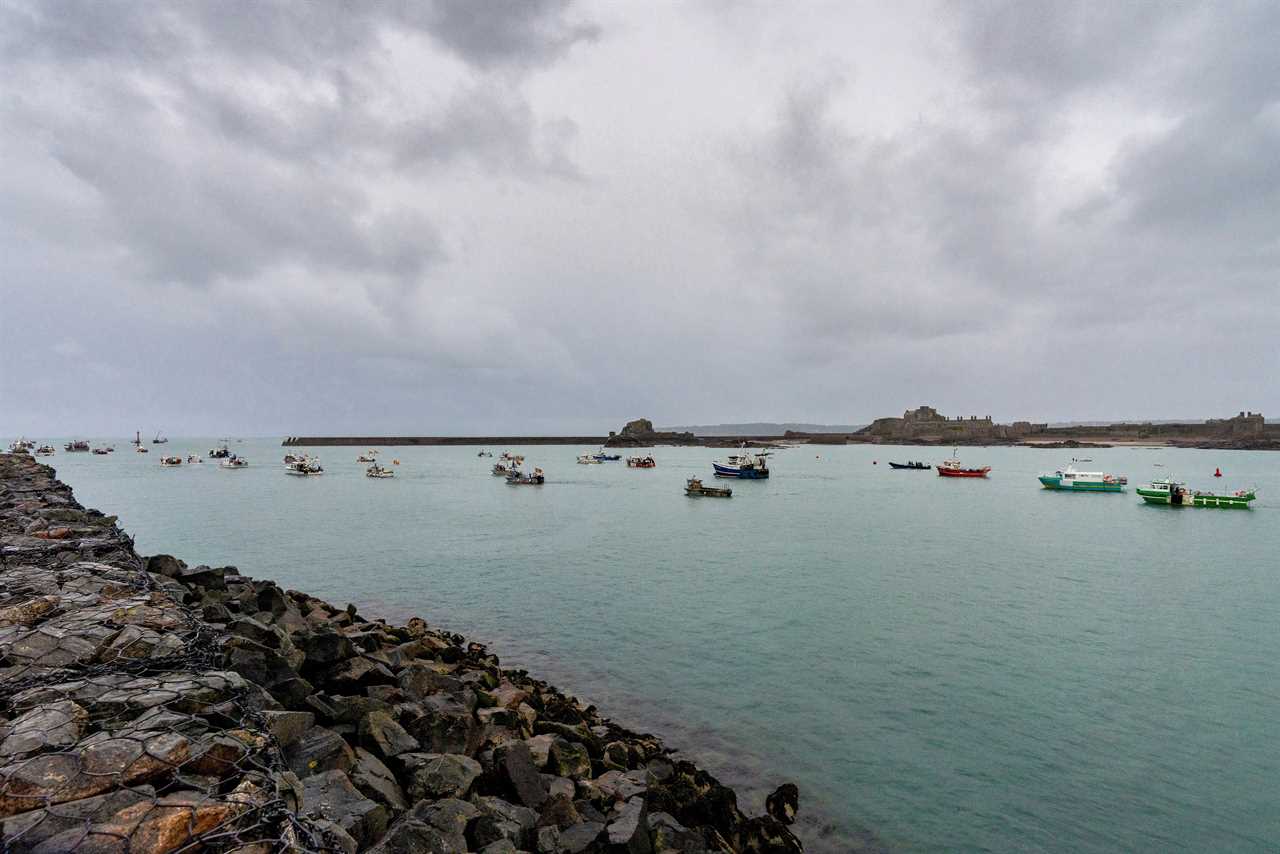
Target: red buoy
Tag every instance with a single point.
(1217, 472)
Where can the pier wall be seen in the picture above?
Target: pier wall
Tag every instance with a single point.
(151, 706)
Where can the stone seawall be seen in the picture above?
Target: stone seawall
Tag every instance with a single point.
(149, 706)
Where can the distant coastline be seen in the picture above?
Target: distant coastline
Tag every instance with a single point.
(921, 426)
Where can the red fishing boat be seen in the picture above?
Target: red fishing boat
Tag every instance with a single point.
(953, 468)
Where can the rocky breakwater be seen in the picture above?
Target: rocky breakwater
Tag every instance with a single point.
(150, 706)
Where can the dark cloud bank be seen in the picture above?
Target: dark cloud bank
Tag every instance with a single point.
(309, 217)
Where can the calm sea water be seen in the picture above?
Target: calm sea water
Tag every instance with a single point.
(941, 665)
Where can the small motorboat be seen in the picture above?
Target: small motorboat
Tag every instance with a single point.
(171, 461)
(233, 462)
(602, 457)
(45, 451)
(365, 458)
(641, 462)
(588, 460)
(102, 452)
(141, 450)
(221, 452)
(953, 468)
(304, 467)
(910, 464)
(76, 446)
(376, 470)
(485, 454)
(21, 446)
(515, 478)
(695, 489)
(192, 459)
(499, 470)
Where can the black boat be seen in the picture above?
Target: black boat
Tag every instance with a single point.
(910, 465)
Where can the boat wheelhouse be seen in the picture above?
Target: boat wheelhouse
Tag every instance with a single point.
(1174, 493)
(1083, 481)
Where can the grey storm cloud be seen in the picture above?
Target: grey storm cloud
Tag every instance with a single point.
(558, 215)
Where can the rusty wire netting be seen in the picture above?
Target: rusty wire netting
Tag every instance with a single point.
(120, 728)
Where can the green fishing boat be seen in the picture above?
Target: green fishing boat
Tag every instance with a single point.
(1176, 494)
(1083, 481)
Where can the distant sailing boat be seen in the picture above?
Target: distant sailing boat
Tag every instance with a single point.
(158, 440)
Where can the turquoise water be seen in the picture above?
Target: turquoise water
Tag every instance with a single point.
(941, 665)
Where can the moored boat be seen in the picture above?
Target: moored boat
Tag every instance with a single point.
(22, 445)
(954, 468)
(588, 460)
(45, 451)
(304, 467)
(376, 470)
(485, 454)
(221, 452)
(1083, 481)
(641, 462)
(910, 464)
(76, 445)
(233, 462)
(171, 461)
(743, 466)
(192, 459)
(516, 478)
(159, 440)
(365, 458)
(695, 489)
(602, 457)
(1175, 494)
(103, 451)
(499, 470)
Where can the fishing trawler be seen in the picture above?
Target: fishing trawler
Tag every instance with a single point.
(76, 446)
(515, 478)
(744, 466)
(233, 462)
(641, 462)
(1175, 494)
(304, 467)
(221, 452)
(170, 461)
(45, 451)
(376, 470)
(1083, 481)
(695, 489)
(953, 468)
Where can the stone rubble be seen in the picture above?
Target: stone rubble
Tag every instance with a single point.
(150, 706)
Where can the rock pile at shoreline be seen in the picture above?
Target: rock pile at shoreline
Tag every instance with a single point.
(153, 706)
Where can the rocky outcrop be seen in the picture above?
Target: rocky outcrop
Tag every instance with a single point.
(640, 434)
(152, 706)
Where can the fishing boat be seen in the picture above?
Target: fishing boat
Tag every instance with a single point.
(21, 446)
(602, 457)
(233, 462)
(365, 458)
(304, 467)
(45, 451)
(641, 463)
(141, 450)
(512, 458)
(102, 451)
(954, 468)
(221, 452)
(376, 470)
(695, 489)
(744, 466)
(485, 454)
(1083, 481)
(1175, 494)
(170, 461)
(515, 478)
(159, 440)
(911, 464)
(588, 460)
(192, 459)
(499, 470)
(77, 446)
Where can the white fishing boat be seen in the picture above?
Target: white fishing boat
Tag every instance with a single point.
(170, 461)
(376, 470)
(192, 459)
(45, 451)
(304, 468)
(21, 446)
(588, 460)
(233, 462)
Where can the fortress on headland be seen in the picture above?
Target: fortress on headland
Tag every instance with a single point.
(925, 425)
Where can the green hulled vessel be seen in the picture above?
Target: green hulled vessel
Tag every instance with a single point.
(1083, 481)
(1177, 495)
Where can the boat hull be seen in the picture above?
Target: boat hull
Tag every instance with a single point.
(1051, 482)
(950, 472)
(1225, 502)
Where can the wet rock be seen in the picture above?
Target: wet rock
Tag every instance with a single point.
(376, 782)
(380, 733)
(48, 727)
(438, 828)
(331, 795)
(500, 820)
(356, 674)
(569, 759)
(783, 803)
(324, 649)
(336, 839)
(765, 833)
(439, 775)
(446, 726)
(629, 830)
(580, 837)
(319, 750)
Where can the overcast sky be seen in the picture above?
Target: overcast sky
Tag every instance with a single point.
(480, 216)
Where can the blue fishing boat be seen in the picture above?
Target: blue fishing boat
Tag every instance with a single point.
(607, 458)
(744, 466)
